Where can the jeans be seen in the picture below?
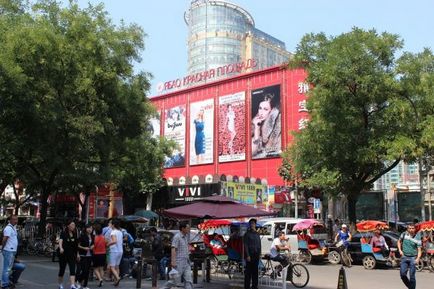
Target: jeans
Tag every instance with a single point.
(8, 262)
(17, 269)
(282, 259)
(184, 269)
(408, 263)
(162, 265)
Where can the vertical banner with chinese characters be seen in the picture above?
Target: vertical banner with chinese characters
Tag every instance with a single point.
(232, 127)
(202, 132)
(303, 88)
(174, 129)
(266, 122)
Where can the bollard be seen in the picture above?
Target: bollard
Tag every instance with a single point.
(195, 273)
(208, 270)
(154, 273)
(342, 279)
(284, 275)
(139, 273)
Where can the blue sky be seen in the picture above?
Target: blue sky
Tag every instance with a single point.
(165, 54)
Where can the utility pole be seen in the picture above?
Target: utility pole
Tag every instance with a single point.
(429, 180)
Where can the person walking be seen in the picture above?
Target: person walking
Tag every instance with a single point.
(68, 253)
(106, 231)
(158, 251)
(410, 248)
(116, 250)
(252, 253)
(180, 259)
(99, 254)
(9, 249)
(85, 247)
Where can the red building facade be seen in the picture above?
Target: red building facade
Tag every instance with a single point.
(234, 127)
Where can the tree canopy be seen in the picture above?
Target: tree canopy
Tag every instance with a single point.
(353, 136)
(73, 109)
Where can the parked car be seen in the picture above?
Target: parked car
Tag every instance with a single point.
(355, 248)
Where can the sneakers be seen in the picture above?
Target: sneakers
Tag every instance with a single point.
(60, 286)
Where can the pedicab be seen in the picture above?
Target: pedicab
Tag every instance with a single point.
(224, 239)
(426, 230)
(307, 246)
(371, 255)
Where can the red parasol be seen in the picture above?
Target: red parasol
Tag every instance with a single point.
(306, 224)
(425, 226)
(210, 224)
(371, 225)
(215, 207)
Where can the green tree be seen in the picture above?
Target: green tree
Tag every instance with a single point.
(352, 138)
(416, 109)
(77, 111)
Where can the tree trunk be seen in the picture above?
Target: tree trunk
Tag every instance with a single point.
(43, 211)
(352, 201)
(3, 186)
(84, 208)
(149, 201)
(17, 200)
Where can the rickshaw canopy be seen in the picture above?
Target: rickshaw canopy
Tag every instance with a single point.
(371, 225)
(425, 226)
(212, 224)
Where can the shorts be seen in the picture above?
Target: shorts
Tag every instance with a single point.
(115, 258)
(99, 260)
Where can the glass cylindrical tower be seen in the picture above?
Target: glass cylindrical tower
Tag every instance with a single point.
(217, 34)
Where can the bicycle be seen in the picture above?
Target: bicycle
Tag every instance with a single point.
(343, 252)
(297, 273)
(427, 260)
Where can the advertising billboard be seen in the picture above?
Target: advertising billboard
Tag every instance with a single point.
(266, 135)
(175, 129)
(232, 127)
(202, 132)
(251, 194)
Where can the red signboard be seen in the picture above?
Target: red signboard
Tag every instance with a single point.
(289, 91)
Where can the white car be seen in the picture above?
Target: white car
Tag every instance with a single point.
(272, 226)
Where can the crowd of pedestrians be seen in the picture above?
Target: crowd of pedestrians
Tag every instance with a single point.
(94, 248)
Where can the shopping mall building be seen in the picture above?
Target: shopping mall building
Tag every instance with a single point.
(230, 134)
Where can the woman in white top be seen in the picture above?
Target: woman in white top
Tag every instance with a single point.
(231, 127)
(116, 249)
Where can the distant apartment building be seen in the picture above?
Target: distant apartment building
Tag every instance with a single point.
(404, 176)
(221, 33)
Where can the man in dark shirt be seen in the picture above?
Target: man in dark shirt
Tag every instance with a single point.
(252, 252)
(158, 251)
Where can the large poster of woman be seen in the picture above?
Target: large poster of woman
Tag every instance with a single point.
(232, 127)
(266, 122)
(174, 129)
(201, 132)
